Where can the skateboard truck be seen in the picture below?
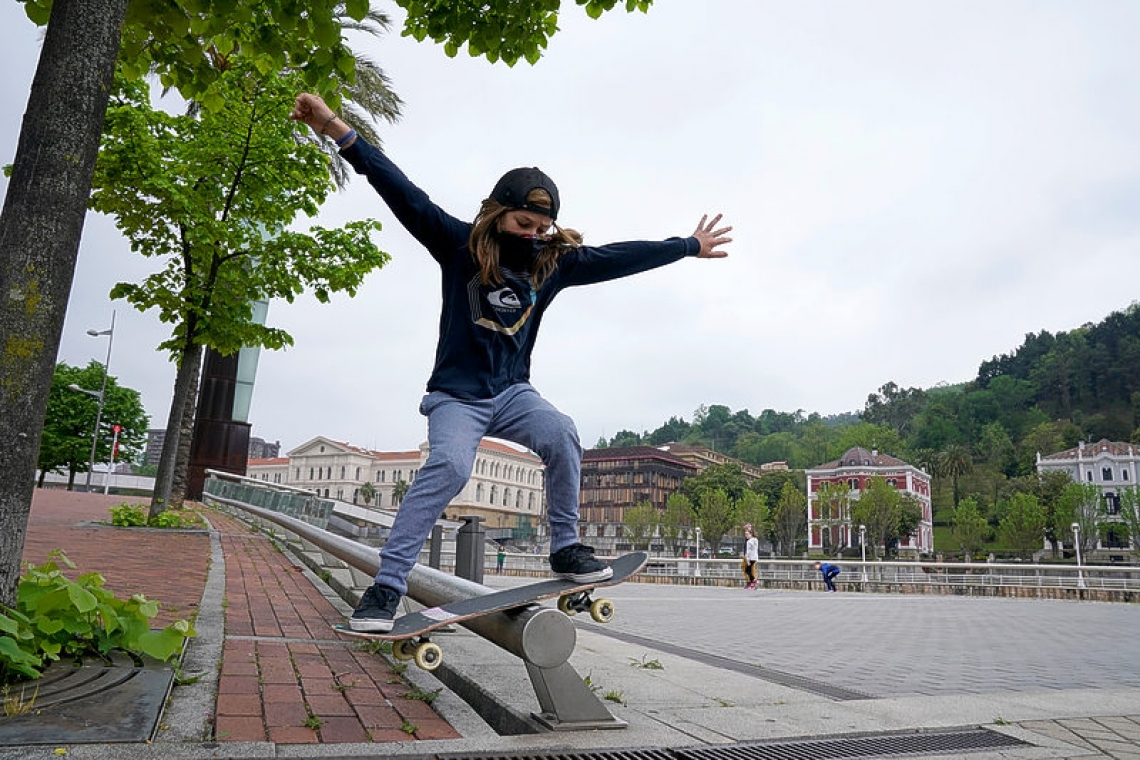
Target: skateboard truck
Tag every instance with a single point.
(419, 649)
(601, 610)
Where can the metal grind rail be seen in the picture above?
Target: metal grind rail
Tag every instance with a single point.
(542, 637)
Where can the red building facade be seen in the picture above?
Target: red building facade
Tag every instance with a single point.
(854, 471)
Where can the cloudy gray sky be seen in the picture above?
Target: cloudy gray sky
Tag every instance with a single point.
(914, 187)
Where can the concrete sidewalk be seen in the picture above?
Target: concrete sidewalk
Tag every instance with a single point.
(683, 666)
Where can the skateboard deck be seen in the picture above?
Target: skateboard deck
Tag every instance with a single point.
(573, 597)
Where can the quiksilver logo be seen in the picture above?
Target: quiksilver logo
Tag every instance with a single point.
(504, 298)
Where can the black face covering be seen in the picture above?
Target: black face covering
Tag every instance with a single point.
(518, 253)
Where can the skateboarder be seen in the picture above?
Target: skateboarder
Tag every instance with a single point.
(499, 274)
(828, 571)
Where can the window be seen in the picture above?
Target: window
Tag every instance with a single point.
(342, 469)
(1106, 473)
(1088, 476)
(358, 473)
(478, 492)
(310, 473)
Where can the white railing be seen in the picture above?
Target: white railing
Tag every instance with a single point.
(871, 575)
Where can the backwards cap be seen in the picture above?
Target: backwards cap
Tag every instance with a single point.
(513, 187)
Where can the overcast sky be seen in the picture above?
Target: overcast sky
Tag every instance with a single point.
(914, 187)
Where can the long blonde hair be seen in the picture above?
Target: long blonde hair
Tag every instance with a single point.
(484, 242)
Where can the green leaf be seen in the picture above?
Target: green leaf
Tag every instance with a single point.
(356, 9)
(39, 13)
(161, 645)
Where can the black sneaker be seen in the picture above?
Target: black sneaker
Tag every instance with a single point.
(576, 562)
(376, 610)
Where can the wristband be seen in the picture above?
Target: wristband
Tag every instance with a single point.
(345, 138)
(325, 126)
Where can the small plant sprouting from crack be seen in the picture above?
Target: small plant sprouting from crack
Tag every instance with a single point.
(424, 696)
(646, 664)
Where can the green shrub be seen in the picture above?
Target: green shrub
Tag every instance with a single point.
(128, 516)
(171, 518)
(56, 617)
(132, 516)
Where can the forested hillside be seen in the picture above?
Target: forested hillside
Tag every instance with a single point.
(982, 436)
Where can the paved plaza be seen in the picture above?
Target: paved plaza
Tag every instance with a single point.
(679, 667)
(889, 645)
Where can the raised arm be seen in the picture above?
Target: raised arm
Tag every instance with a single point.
(438, 231)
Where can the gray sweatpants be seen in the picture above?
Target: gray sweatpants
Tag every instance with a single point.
(455, 427)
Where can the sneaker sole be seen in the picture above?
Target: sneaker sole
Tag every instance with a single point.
(371, 626)
(594, 577)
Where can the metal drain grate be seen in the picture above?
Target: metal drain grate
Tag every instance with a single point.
(880, 745)
(883, 745)
(115, 701)
(621, 754)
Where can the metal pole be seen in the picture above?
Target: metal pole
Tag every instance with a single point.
(698, 565)
(110, 333)
(1077, 544)
(111, 466)
(863, 549)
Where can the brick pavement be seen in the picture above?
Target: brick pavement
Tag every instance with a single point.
(313, 687)
(285, 677)
(163, 565)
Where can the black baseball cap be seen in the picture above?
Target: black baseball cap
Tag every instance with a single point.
(513, 187)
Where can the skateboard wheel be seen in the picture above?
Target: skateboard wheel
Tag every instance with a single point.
(428, 656)
(404, 650)
(602, 610)
(566, 605)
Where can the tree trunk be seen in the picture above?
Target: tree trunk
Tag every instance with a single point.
(185, 441)
(185, 382)
(40, 228)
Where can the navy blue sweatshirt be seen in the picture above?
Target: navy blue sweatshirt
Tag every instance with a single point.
(487, 332)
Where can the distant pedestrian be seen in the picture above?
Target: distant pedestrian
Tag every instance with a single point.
(500, 558)
(828, 571)
(751, 556)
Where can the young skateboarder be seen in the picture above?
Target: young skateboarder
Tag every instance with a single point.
(500, 273)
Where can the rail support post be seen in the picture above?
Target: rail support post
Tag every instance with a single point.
(469, 549)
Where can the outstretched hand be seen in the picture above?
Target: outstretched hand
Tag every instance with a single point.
(712, 238)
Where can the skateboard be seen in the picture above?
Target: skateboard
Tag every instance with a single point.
(409, 633)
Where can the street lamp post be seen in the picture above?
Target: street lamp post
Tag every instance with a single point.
(863, 549)
(698, 565)
(1077, 544)
(101, 395)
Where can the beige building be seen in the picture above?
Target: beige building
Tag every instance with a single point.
(506, 487)
(1111, 466)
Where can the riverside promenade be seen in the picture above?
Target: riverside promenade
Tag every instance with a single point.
(779, 673)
